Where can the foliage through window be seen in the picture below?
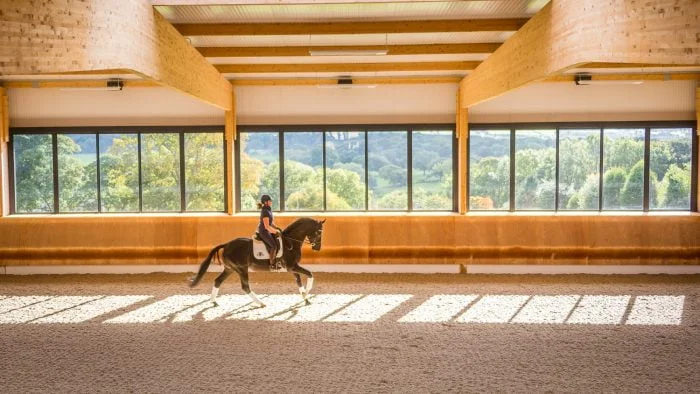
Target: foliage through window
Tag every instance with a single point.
(638, 168)
(104, 171)
(359, 168)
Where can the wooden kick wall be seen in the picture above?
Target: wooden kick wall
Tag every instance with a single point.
(363, 239)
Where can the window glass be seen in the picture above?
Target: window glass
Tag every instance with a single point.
(579, 169)
(160, 172)
(670, 168)
(204, 172)
(432, 170)
(535, 168)
(623, 168)
(303, 171)
(119, 172)
(489, 169)
(345, 170)
(77, 173)
(388, 170)
(33, 176)
(259, 169)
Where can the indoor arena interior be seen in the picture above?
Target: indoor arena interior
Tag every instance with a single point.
(349, 196)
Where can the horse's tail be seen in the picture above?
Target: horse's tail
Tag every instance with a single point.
(205, 265)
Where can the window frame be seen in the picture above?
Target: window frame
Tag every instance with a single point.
(601, 126)
(360, 128)
(97, 131)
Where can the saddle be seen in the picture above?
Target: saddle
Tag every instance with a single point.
(260, 248)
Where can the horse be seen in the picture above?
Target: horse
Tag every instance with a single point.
(237, 257)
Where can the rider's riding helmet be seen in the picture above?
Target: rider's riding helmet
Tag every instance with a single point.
(265, 198)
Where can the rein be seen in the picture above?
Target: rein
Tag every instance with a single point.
(301, 242)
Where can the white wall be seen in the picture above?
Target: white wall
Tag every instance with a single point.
(566, 102)
(541, 102)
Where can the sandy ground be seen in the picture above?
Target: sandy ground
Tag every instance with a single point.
(384, 355)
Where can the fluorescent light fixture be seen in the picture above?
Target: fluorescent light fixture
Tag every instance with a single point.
(348, 52)
(587, 79)
(114, 84)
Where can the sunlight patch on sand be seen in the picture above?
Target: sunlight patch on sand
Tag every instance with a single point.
(599, 309)
(439, 308)
(494, 309)
(541, 309)
(160, 311)
(369, 308)
(45, 308)
(656, 310)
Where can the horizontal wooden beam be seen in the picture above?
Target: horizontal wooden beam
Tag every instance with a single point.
(275, 2)
(630, 77)
(273, 29)
(426, 49)
(67, 36)
(78, 84)
(568, 34)
(334, 81)
(345, 67)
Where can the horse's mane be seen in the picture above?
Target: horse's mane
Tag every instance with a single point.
(297, 224)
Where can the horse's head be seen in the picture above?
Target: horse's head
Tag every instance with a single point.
(316, 235)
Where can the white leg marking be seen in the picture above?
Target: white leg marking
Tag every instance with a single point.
(302, 291)
(214, 293)
(255, 299)
(309, 285)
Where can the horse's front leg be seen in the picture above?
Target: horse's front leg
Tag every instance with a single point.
(243, 273)
(297, 269)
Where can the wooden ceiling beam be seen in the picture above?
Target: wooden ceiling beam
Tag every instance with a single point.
(387, 27)
(345, 67)
(568, 34)
(91, 36)
(334, 81)
(425, 49)
(274, 2)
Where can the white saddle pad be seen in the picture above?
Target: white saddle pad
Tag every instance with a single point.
(260, 250)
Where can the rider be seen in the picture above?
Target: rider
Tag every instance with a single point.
(266, 228)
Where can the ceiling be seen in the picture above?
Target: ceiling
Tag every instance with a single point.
(268, 39)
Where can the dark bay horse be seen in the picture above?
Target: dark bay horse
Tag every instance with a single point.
(237, 256)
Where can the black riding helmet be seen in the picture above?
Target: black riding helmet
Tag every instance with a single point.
(265, 198)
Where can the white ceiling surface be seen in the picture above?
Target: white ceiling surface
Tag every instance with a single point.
(561, 102)
(323, 12)
(352, 39)
(349, 12)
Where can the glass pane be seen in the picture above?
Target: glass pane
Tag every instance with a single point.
(204, 172)
(489, 169)
(432, 170)
(535, 168)
(669, 168)
(303, 171)
(623, 168)
(33, 162)
(160, 172)
(388, 170)
(77, 173)
(345, 172)
(579, 164)
(260, 169)
(119, 172)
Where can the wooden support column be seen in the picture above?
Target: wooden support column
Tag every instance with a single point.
(230, 136)
(565, 34)
(462, 135)
(697, 132)
(4, 139)
(95, 36)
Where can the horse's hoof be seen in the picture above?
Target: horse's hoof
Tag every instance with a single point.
(307, 302)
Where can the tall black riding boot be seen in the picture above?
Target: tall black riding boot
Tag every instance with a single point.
(273, 259)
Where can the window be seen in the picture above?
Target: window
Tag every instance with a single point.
(387, 168)
(489, 170)
(33, 173)
(535, 167)
(259, 168)
(345, 170)
(578, 167)
(432, 170)
(303, 171)
(623, 168)
(117, 170)
(670, 168)
(340, 168)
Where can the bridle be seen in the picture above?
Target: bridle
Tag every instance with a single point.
(301, 242)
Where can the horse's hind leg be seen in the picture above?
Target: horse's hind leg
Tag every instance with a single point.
(217, 283)
(243, 273)
(302, 290)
